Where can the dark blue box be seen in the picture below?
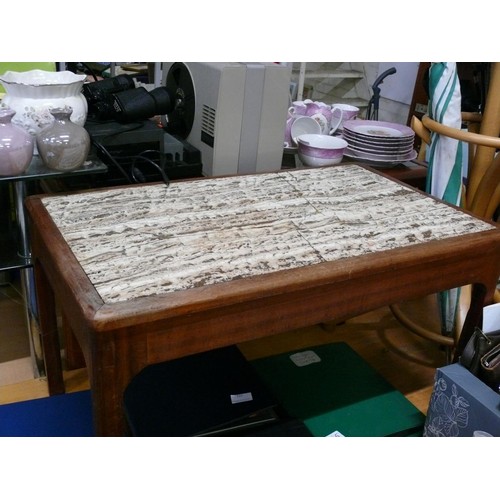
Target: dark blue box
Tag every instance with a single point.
(461, 405)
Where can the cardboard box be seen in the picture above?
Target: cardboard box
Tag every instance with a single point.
(461, 405)
(336, 393)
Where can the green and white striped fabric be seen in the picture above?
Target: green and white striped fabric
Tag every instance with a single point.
(445, 154)
(445, 159)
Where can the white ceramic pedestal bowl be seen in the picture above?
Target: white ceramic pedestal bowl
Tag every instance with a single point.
(318, 150)
(32, 93)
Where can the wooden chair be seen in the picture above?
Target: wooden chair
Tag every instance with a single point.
(481, 196)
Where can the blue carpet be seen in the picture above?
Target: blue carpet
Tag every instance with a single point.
(64, 415)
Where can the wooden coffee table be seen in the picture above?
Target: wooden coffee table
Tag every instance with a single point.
(148, 273)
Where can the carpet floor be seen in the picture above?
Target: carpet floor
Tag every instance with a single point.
(65, 415)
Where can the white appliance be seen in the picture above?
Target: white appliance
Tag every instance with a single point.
(234, 113)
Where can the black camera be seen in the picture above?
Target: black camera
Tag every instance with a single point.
(118, 99)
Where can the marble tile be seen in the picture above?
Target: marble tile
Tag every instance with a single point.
(150, 239)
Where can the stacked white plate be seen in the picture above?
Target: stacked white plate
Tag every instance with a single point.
(379, 142)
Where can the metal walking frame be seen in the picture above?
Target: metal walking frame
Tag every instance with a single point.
(373, 103)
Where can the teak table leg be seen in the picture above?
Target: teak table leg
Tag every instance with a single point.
(49, 335)
(74, 355)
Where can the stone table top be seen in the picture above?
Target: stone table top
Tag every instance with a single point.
(143, 240)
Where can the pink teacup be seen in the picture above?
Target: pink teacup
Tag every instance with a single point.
(324, 123)
(298, 108)
(304, 125)
(288, 129)
(340, 114)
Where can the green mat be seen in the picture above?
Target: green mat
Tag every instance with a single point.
(333, 390)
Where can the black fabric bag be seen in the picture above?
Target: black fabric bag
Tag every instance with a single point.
(489, 368)
(481, 356)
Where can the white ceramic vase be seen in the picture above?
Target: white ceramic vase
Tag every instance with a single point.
(32, 93)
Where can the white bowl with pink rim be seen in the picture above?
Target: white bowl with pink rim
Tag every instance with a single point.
(319, 150)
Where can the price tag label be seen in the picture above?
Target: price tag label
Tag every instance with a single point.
(305, 358)
(241, 398)
(336, 434)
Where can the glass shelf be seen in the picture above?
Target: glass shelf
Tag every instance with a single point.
(9, 255)
(15, 245)
(10, 258)
(37, 170)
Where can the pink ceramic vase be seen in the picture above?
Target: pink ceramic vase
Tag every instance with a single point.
(16, 145)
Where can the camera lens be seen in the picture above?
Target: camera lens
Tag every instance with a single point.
(163, 101)
(118, 99)
(96, 91)
(134, 104)
(139, 104)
